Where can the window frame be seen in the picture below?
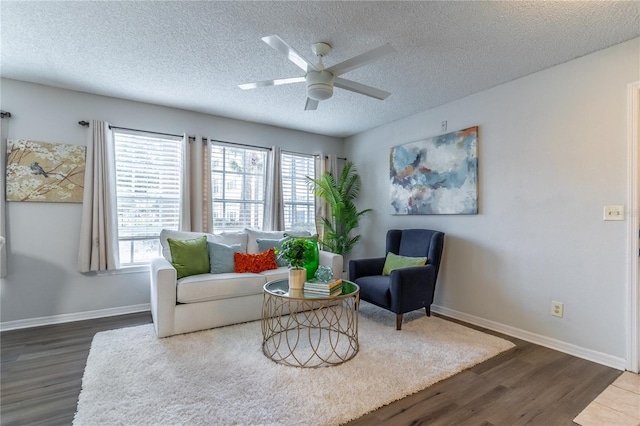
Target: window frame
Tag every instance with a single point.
(255, 206)
(301, 178)
(135, 186)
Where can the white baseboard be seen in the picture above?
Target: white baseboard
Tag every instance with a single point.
(558, 345)
(78, 316)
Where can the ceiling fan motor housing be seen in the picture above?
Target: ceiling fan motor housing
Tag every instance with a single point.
(319, 85)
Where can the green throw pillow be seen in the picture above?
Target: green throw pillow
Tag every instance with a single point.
(221, 257)
(394, 261)
(189, 257)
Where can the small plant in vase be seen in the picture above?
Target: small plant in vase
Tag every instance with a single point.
(297, 252)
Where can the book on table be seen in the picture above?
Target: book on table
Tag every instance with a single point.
(314, 293)
(321, 288)
(323, 285)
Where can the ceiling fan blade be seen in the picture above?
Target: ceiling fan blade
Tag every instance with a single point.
(281, 46)
(360, 88)
(276, 82)
(361, 60)
(311, 105)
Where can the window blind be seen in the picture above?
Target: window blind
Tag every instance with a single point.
(148, 170)
(298, 197)
(237, 187)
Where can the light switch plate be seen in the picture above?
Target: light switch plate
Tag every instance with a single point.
(613, 212)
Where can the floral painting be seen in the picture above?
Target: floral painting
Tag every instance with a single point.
(42, 171)
(437, 175)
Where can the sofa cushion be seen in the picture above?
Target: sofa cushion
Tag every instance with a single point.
(375, 289)
(266, 244)
(165, 234)
(221, 257)
(202, 288)
(227, 238)
(189, 257)
(254, 235)
(276, 274)
(259, 262)
(230, 238)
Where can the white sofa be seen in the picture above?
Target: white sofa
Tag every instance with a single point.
(200, 302)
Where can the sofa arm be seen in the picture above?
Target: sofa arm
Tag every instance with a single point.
(333, 261)
(163, 296)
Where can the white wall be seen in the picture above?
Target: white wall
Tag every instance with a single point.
(552, 153)
(43, 237)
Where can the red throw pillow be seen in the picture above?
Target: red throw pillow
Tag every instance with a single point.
(255, 262)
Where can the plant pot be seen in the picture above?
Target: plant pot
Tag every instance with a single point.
(297, 277)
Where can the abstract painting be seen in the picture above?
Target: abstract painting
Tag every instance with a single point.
(438, 175)
(47, 172)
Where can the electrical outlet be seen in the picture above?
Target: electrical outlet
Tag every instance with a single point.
(557, 309)
(443, 126)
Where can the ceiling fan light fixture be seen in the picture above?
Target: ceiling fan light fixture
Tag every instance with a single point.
(319, 85)
(320, 81)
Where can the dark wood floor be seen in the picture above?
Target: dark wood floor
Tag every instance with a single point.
(42, 372)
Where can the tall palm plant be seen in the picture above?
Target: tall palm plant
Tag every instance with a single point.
(343, 214)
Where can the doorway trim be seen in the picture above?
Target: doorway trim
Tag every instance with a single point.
(633, 286)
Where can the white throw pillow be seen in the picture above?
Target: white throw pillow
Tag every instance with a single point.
(252, 244)
(231, 238)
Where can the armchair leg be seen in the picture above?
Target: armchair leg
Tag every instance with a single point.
(398, 321)
(428, 309)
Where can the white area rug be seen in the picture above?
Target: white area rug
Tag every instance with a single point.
(221, 376)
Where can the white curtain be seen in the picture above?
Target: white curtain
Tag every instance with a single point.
(185, 186)
(273, 207)
(99, 228)
(3, 175)
(194, 214)
(207, 196)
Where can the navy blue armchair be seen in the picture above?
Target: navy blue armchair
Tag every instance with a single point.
(406, 289)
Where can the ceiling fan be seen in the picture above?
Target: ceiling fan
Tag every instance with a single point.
(320, 80)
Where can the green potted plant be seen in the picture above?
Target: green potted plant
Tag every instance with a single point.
(343, 214)
(297, 252)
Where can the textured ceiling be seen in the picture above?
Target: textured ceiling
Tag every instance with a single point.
(192, 55)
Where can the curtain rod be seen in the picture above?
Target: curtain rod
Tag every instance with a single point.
(312, 155)
(86, 124)
(337, 158)
(146, 131)
(240, 144)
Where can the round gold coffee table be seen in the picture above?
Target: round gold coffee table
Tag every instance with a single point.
(310, 331)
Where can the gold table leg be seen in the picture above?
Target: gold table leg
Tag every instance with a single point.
(309, 332)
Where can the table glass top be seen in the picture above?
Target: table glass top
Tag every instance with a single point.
(281, 288)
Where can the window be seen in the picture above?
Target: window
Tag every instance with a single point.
(148, 170)
(298, 198)
(238, 190)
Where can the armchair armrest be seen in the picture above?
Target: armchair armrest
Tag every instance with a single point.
(365, 267)
(163, 282)
(413, 287)
(333, 261)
